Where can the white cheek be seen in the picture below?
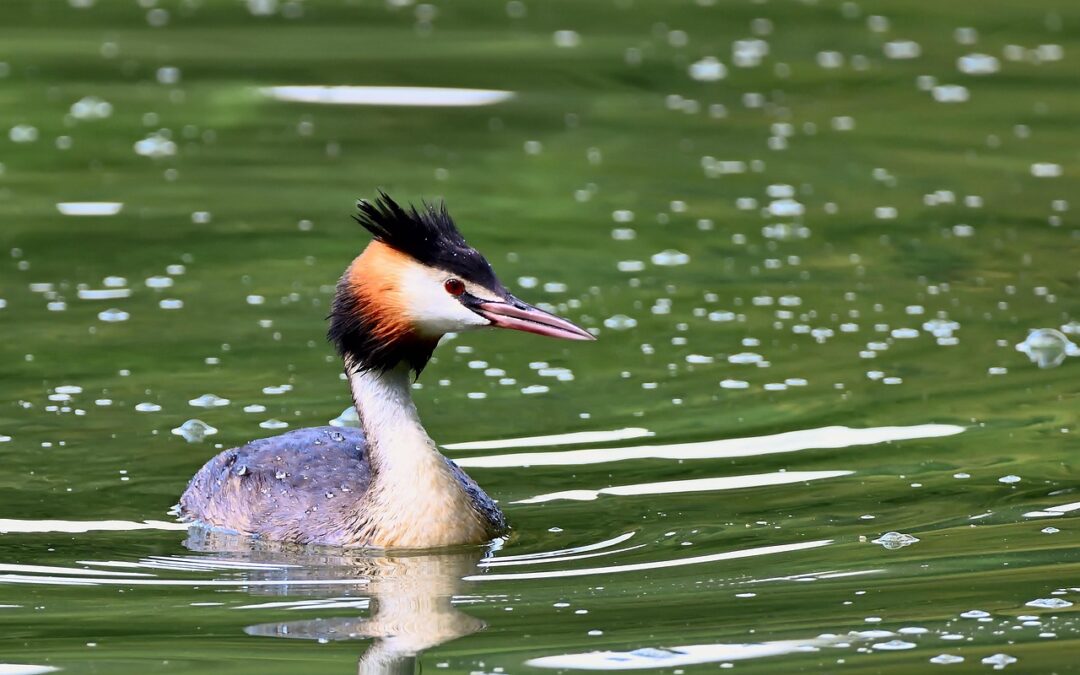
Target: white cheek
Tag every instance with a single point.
(431, 309)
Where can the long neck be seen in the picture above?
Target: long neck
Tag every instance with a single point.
(415, 499)
(395, 437)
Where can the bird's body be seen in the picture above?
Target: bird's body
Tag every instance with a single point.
(313, 486)
(384, 485)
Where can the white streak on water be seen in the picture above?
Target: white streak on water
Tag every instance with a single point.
(49, 569)
(11, 525)
(1053, 511)
(443, 97)
(89, 208)
(686, 655)
(614, 541)
(567, 558)
(792, 441)
(659, 564)
(580, 437)
(329, 603)
(104, 293)
(190, 583)
(25, 669)
(693, 485)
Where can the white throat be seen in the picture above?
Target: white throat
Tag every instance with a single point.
(389, 418)
(414, 498)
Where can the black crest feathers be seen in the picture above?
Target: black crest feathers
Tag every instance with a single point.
(428, 235)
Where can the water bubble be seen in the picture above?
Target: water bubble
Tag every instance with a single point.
(1050, 530)
(708, 69)
(722, 316)
(843, 123)
(670, 258)
(749, 53)
(567, 39)
(194, 431)
(1047, 347)
(620, 322)
(734, 384)
(254, 408)
(277, 390)
(255, 300)
(171, 303)
(1046, 170)
(946, 659)
(155, 145)
(830, 59)
(698, 358)
(23, 133)
(168, 75)
(902, 49)
(273, 424)
(208, 401)
(940, 327)
(91, 108)
(894, 645)
(974, 614)
(347, 418)
(147, 407)
(159, 282)
(536, 389)
(978, 64)
(745, 358)
(113, 315)
(895, 540)
(999, 661)
(630, 265)
(1049, 603)
(950, 93)
(786, 208)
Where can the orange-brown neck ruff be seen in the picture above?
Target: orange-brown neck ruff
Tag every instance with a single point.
(369, 323)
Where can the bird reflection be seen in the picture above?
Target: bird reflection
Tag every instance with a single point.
(410, 595)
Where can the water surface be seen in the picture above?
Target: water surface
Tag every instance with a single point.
(809, 236)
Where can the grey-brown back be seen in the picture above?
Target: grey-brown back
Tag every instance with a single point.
(308, 486)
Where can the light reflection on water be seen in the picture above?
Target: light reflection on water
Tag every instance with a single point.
(390, 96)
(792, 441)
(693, 485)
(684, 655)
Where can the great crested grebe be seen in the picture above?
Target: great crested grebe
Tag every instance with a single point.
(384, 485)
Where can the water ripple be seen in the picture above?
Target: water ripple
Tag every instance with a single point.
(792, 441)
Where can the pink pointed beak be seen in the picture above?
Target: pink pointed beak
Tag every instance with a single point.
(517, 315)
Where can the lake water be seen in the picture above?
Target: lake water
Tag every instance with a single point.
(810, 237)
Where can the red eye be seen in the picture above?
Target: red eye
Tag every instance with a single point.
(454, 287)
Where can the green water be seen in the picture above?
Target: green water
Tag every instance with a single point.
(912, 209)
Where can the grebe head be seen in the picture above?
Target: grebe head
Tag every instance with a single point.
(416, 281)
